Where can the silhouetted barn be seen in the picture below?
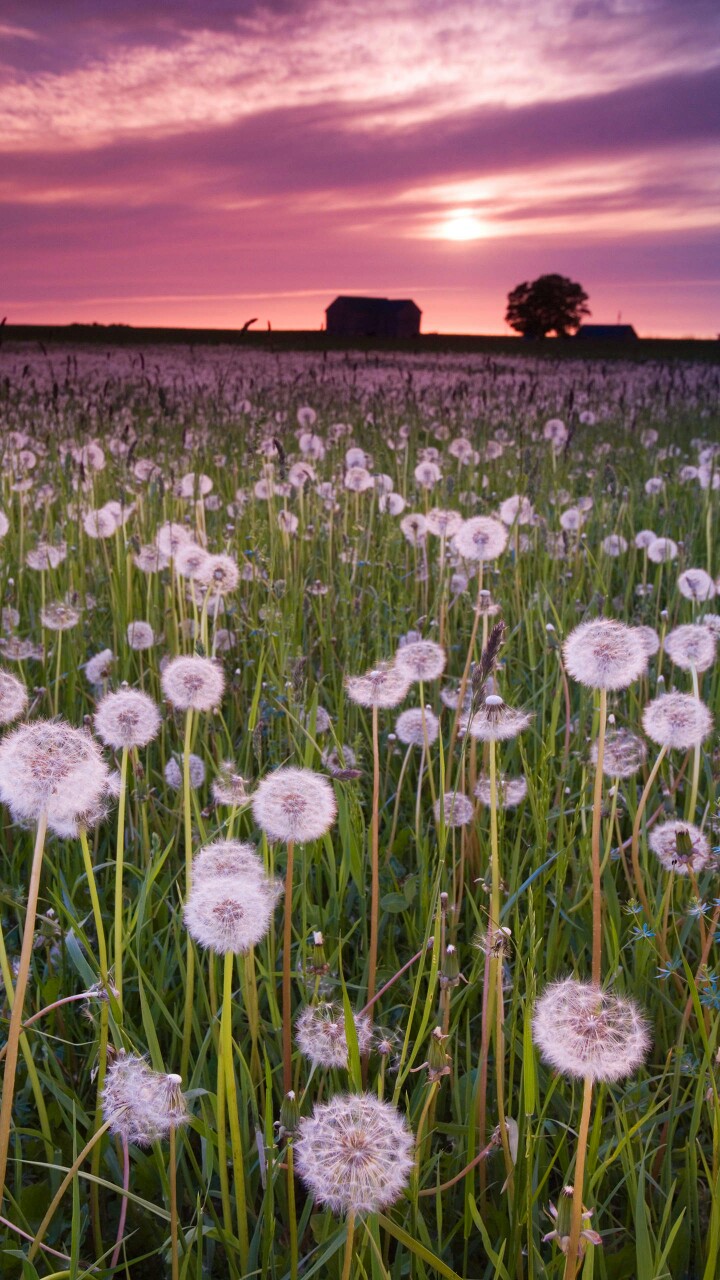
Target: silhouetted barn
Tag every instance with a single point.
(607, 332)
(349, 317)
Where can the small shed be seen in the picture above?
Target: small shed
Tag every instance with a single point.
(352, 317)
(607, 332)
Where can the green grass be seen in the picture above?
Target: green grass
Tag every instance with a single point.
(654, 1151)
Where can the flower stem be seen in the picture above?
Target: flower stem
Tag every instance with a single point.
(286, 987)
(571, 1263)
(374, 857)
(635, 846)
(16, 1016)
(119, 864)
(172, 1176)
(123, 1208)
(190, 963)
(226, 1043)
(347, 1261)
(595, 844)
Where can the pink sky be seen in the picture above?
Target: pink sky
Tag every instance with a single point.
(196, 164)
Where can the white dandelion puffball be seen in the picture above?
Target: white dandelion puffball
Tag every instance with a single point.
(481, 538)
(583, 1031)
(605, 654)
(677, 721)
(355, 1153)
(457, 809)
(294, 804)
(691, 646)
(680, 847)
(696, 584)
(385, 686)
(422, 660)
(321, 1038)
(495, 721)
(662, 550)
(231, 913)
(13, 697)
(193, 684)
(174, 774)
(411, 731)
(49, 767)
(141, 1105)
(140, 635)
(128, 718)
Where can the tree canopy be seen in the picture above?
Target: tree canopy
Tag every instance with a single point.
(550, 304)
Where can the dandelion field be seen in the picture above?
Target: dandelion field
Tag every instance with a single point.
(347, 823)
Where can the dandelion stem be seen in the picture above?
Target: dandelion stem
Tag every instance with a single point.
(172, 1177)
(374, 857)
(692, 799)
(595, 844)
(347, 1261)
(571, 1264)
(286, 988)
(119, 864)
(40, 1233)
(190, 964)
(465, 676)
(16, 1016)
(635, 845)
(123, 1208)
(500, 1075)
(226, 1043)
(292, 1217)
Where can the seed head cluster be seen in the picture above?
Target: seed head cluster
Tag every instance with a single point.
(583, 1031)
(193, 684)
(48, 767)
(355, 1153)
(604, 654)
(320, 1034)
(294, 804)
(141, 1105)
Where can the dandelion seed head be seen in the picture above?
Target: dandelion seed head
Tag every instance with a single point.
(227, 858)
(355, 1153)
(409, 727)
(680, 847)
(59, 616)
(320, 1034)
(294, 804)
(193, 683)
(13, 697)
(423, 660)
(495, 721)
(174, 775)
(584, 1031)
(141, 1105)
(385, 686)
(99, 667)
(696, 584)
(50, 767)
(481, 538)
(128, 718)
(604, 654)
(414, 529)
(231, 912)
(510, 791)
(458, 810)
(140, 636)
(623, 755)
(677, 721)
(662, 550)
(691, 646)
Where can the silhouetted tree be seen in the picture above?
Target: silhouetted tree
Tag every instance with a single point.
(550, 304)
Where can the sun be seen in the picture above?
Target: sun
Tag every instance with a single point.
(462, 225)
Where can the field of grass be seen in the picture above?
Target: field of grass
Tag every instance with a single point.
(415, 950)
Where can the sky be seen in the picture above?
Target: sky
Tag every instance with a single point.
(202, 162)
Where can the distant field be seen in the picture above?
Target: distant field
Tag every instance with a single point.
(317, 340)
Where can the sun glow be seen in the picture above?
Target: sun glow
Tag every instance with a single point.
(462, 225)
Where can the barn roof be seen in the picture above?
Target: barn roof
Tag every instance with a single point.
(618, 332)
(374, 303)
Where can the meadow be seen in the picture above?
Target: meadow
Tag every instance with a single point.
(358, 770)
